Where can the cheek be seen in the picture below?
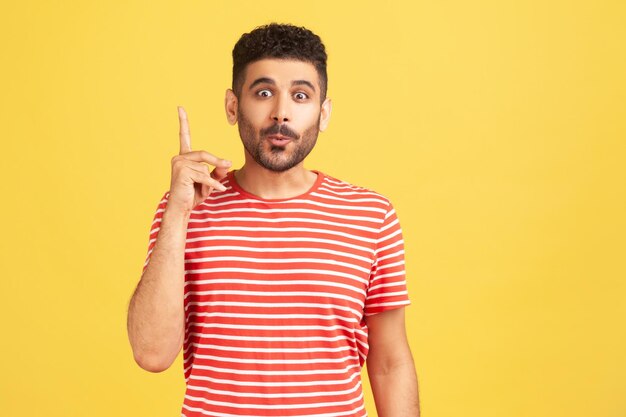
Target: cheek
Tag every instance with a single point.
(254, 114)
(307, 117)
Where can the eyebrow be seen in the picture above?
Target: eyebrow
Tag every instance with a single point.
(266, 80)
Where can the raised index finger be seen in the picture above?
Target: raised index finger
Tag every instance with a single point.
(185, 136)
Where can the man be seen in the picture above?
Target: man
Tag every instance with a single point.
(278, 283)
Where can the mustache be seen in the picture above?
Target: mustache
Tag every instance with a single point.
(279, 130)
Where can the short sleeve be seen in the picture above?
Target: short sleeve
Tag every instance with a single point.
(155, 227)
(387, 287)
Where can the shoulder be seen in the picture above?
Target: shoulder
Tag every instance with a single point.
(332, 187)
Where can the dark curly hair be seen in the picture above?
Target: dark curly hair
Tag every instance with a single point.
(283, 41)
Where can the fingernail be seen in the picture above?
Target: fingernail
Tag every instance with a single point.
(227, 162)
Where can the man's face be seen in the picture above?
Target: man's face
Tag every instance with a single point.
(278, 112)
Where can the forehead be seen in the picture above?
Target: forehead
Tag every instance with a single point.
(282, 71)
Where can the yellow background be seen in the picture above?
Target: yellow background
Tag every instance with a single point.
(496, 128)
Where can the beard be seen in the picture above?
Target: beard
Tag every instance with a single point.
(276, 158)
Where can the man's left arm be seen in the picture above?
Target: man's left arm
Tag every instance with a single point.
(390, 365)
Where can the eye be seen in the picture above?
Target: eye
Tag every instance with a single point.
(301, 96)
(264, 93)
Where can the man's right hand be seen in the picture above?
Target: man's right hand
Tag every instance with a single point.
(191, 181)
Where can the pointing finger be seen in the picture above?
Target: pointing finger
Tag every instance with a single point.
(185, 135)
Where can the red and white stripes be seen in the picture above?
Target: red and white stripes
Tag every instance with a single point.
(275, 297)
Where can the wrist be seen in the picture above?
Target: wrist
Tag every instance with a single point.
(176, 211)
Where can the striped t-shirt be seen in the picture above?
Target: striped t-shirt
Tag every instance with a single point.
(275, 297)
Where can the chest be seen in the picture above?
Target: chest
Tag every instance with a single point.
(273, 260)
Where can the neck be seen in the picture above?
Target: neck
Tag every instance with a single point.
(271, 185)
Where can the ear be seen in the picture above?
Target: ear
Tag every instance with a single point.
(325, 114)
(230, 103)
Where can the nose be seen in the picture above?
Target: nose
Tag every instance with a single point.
(280, 112)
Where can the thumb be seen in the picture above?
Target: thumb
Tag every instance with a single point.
(221, 170)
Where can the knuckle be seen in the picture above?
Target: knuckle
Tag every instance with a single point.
(179, 164)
